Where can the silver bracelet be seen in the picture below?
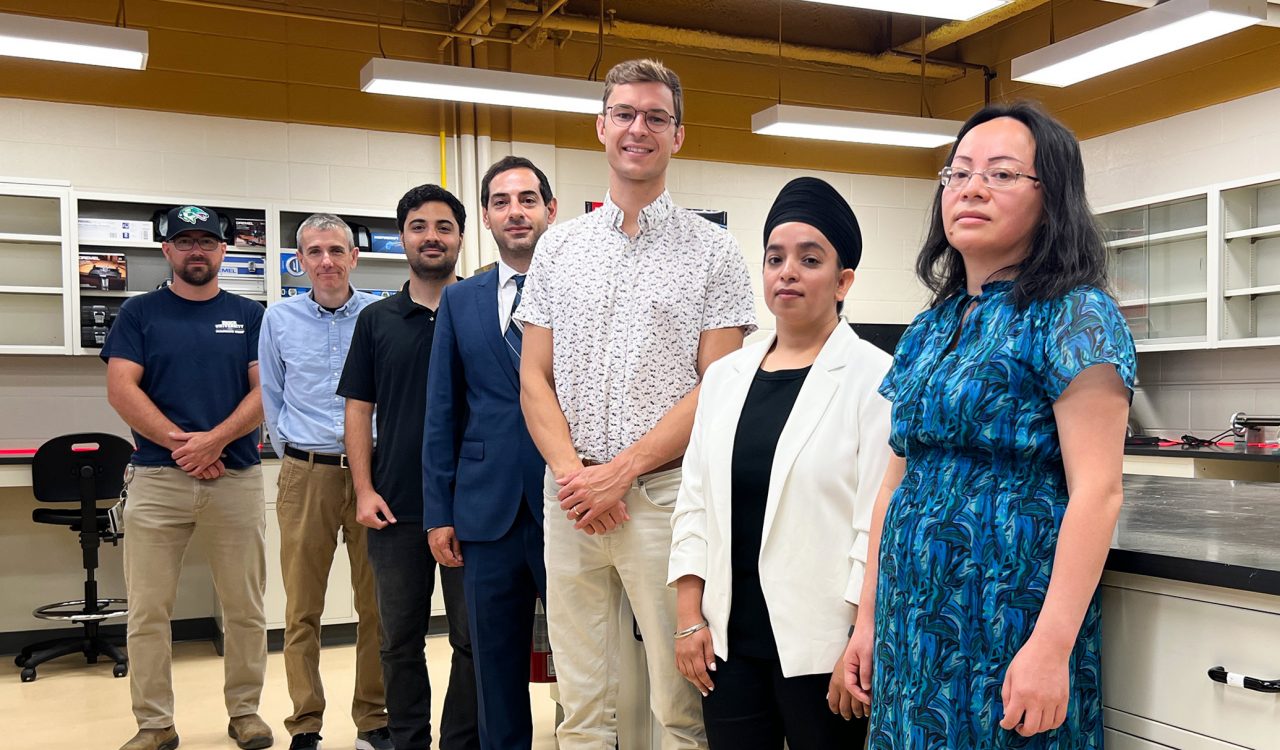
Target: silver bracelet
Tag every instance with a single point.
(689, 631)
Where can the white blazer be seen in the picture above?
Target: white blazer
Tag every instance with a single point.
(830, 461)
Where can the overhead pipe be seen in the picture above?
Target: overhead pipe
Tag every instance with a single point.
(708, 40)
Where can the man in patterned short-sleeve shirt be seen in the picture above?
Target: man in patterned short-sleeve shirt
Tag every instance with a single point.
(624, 309)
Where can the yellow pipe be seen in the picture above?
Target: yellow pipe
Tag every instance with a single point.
(444, 173)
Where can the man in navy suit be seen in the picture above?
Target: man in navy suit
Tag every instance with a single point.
(482, 474)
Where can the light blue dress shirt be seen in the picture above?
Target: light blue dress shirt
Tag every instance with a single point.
(301, 350)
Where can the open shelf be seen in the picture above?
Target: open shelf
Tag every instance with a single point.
(109, 293)
(51, 239)
(1257, 233)
(31, 290)
(134, 244)
(1255, 291)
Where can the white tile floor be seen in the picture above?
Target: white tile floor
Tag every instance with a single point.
(74, 705)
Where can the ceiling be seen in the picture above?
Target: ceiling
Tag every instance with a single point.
(299, 61)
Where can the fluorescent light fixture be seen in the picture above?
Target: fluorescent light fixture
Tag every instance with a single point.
(72, 41)
(1149, 33)
(958, 10)
(854, 127)
(429, 81)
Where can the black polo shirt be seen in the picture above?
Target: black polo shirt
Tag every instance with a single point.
(387, 366)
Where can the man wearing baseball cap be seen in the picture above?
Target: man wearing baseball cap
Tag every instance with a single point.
(182, 371)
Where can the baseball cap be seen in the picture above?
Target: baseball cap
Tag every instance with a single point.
(188, 218)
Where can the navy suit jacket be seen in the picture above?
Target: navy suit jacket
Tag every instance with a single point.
(478, 460)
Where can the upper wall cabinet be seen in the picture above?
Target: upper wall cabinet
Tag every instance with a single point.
(1250, 299)
(1199, 270)
(34, 264)
(1158, 258)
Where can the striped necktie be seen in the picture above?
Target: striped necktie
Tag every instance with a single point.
(514, 335)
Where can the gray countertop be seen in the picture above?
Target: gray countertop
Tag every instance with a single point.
(1211, 531)
(1215, 452)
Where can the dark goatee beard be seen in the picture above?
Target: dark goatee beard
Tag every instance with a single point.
(196, 278)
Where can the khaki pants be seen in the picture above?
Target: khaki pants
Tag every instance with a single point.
(166, 506)
(586, 578)
(314, 503)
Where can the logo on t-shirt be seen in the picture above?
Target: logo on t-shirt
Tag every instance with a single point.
(229, 326)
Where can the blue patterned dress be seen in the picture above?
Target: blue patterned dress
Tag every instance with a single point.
(969, 536)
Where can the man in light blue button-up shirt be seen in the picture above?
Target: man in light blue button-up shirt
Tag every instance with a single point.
(302, 348)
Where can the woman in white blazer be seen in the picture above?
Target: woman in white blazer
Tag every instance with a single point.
(771, 524)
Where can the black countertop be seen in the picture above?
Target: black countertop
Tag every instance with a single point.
(1211, 531)
(1226, 453)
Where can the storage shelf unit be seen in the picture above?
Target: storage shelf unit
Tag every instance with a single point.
(1250, 305)
(146, 266)
(35, 251)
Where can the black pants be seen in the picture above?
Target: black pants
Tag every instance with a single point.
(404, 572)
(755, 708)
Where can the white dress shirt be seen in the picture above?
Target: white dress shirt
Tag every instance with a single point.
(506, 294)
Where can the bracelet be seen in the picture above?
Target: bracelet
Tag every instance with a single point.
(689, 631)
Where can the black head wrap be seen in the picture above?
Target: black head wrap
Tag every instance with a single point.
(811, 201)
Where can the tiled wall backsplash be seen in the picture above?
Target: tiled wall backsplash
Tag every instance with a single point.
(1197, 392)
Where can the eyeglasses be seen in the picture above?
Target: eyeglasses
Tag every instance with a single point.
(657, 120)
(206, 243)
(995, 177)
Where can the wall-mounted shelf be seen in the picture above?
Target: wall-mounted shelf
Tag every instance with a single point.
(1158, 238)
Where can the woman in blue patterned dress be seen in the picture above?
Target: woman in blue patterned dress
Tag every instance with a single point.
(978, 623)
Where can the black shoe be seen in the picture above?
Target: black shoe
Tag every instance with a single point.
(374, 739)
(305, 741)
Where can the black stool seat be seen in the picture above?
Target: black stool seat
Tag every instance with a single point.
(83, 469)
(73, 519)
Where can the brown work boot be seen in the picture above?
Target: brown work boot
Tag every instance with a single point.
(250, 732)
(153, 739)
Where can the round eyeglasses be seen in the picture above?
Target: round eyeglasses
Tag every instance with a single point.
(657, 120)
(954, 178)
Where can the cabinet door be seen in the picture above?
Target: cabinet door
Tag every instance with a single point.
(1121, 741)
(1157, 651)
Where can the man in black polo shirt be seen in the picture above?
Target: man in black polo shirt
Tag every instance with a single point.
(386, 369)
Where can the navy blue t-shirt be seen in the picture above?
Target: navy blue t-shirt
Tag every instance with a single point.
(195, 360)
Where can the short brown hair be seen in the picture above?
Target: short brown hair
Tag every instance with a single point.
(646, 71)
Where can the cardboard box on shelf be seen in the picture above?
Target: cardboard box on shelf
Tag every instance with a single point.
(104, 271)
(115, 229)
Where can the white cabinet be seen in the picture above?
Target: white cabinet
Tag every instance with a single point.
(1160, 639)
(1201, 269)
(1250, 297)
(1158, 259)
(34, 264)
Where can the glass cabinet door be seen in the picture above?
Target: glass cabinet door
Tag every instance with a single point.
(1158, 263)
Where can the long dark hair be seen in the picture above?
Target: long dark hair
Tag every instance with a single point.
(1067, 250)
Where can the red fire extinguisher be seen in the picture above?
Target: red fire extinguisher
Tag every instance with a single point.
(541, 666)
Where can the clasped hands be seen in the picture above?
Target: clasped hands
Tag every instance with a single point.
(592, 497)
(198, 453)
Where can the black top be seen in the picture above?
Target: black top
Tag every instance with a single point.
(387, 366)
(764, 414)
(195, 357)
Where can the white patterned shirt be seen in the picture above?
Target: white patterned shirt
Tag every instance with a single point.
(626, 315)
